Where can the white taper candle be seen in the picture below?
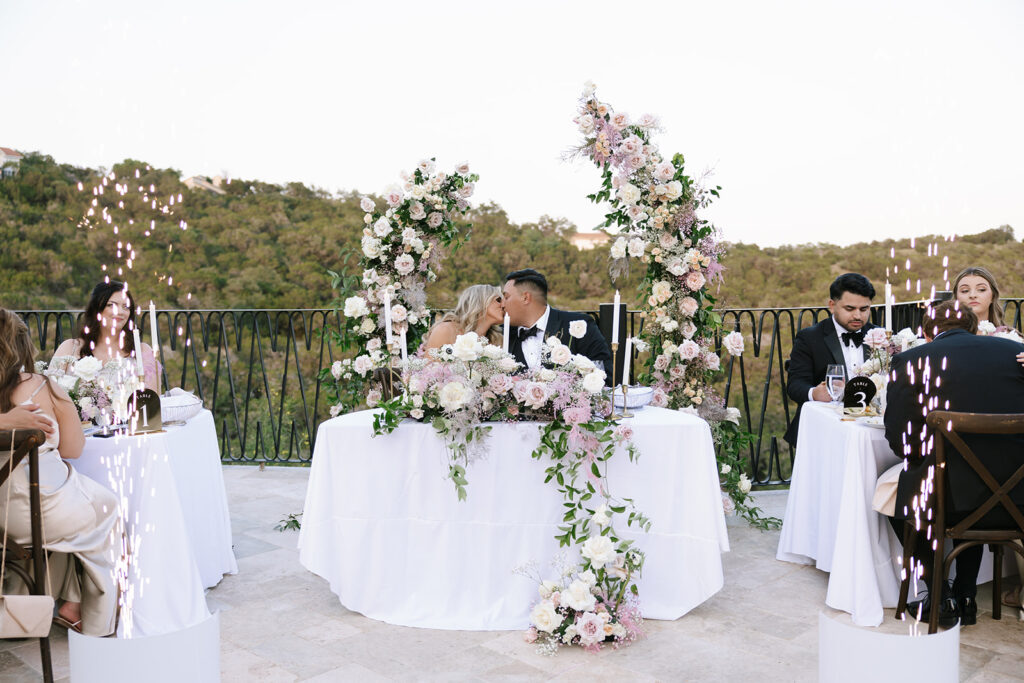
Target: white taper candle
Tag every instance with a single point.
(615, 318)
(626, 362)
(504, 335)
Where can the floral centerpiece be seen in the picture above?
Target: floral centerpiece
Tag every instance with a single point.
(462, 387)
(402, 246)
(880, 351)
(654, 205)
(100, 391)
(989, 330)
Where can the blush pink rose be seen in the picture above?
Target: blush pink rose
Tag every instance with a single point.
(688, 306)
(689, 350)
(695, 280)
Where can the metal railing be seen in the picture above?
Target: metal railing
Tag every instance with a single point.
(257, 371)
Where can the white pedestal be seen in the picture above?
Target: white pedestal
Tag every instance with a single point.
(191, 654)
(849, 654)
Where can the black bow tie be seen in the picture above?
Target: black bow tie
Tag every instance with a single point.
(856, 337)
(527, 332)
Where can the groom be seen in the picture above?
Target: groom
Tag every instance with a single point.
(525, 299)
(837, 340)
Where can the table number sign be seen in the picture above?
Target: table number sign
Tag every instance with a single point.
(859, 392)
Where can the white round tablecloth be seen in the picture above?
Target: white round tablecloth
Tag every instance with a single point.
(383, 525)
(829, 520)
(175, 508)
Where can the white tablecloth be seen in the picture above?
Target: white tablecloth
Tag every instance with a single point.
(383, 525)
(175, 509)
(829, 521)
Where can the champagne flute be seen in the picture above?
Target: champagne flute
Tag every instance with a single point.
(835, 382)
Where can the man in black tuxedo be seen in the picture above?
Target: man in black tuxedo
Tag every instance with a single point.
(525, 299)
(962, 372)
(837, 340)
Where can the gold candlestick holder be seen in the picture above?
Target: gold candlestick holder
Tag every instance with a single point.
(625, 399)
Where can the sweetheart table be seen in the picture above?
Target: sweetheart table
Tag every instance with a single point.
(382, 523)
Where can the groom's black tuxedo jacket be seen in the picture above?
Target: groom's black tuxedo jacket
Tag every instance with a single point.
(592, 345)
(814, 349)
(981, 375)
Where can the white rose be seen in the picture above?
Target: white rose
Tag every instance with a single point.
(676, 266)
(670, 325)
(453, 396)
(664, 171)
(560, 355)
(368, 326)
(594, 382)
(382, 228)
(416, 211)
(468, 347)
(87, 367)
(507, 364)
(599, 550)
(602, 516)
(674, 190)
(586, 124)
(732, 415)
(355, 307)
(637, 247)
(337, 369)
(578, 328)
(689, 329)
(588, 578)
(547, 374)
(733, 343)
(366, 204)
(336, 410)
(371, 247)
(583, 364)
(578, 597)
(629, 194)
(435, 219)
(416, 414)
(985, 327)
(744, 483)
(393, 194)
(544, 616)
(546, 588)
(405, 264)
(462, 169)
(399, 313)
(618, 249)
(362, 365)
(726, 469)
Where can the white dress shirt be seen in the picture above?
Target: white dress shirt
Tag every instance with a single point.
(532, 346)
(853, 355)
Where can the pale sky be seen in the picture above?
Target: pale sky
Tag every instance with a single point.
(822, 121)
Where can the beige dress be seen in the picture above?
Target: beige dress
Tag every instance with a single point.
(79, 519)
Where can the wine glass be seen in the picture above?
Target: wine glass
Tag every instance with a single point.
(835, 382)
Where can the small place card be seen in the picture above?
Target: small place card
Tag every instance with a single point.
(859, 392)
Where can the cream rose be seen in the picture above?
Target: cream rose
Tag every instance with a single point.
(544, 616)
(599, 550)
(578, 328)
(594, 382)
(578, 597)
(618, 249)
(87, 367)
(637, 247)
(689, 350)
(382, 228)
(355, 307)
(405, 264)
(468, 347)
(560, 355)
(733, 343)
(453, 396)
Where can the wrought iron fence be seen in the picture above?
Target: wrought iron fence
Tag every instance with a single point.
(257, 371)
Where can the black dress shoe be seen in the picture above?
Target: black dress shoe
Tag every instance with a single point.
(968, 611)
(949, 611)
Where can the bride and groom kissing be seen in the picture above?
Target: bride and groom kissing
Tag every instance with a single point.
(524, 297)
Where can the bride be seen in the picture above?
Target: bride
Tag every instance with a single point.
(106, 334)
(479, 310)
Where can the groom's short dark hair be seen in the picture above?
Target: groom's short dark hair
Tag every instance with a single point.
(530, 277)
(855, 283)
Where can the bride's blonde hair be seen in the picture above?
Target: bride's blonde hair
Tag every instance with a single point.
(471, 309)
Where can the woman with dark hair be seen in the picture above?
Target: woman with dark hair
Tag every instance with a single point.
(106, 333)
(78, 513)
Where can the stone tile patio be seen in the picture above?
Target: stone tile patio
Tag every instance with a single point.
(281, 623)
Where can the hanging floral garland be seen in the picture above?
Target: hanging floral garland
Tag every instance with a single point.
(655, 205)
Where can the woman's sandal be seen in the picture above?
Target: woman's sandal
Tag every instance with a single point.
(1011, 598)
(61, 621)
